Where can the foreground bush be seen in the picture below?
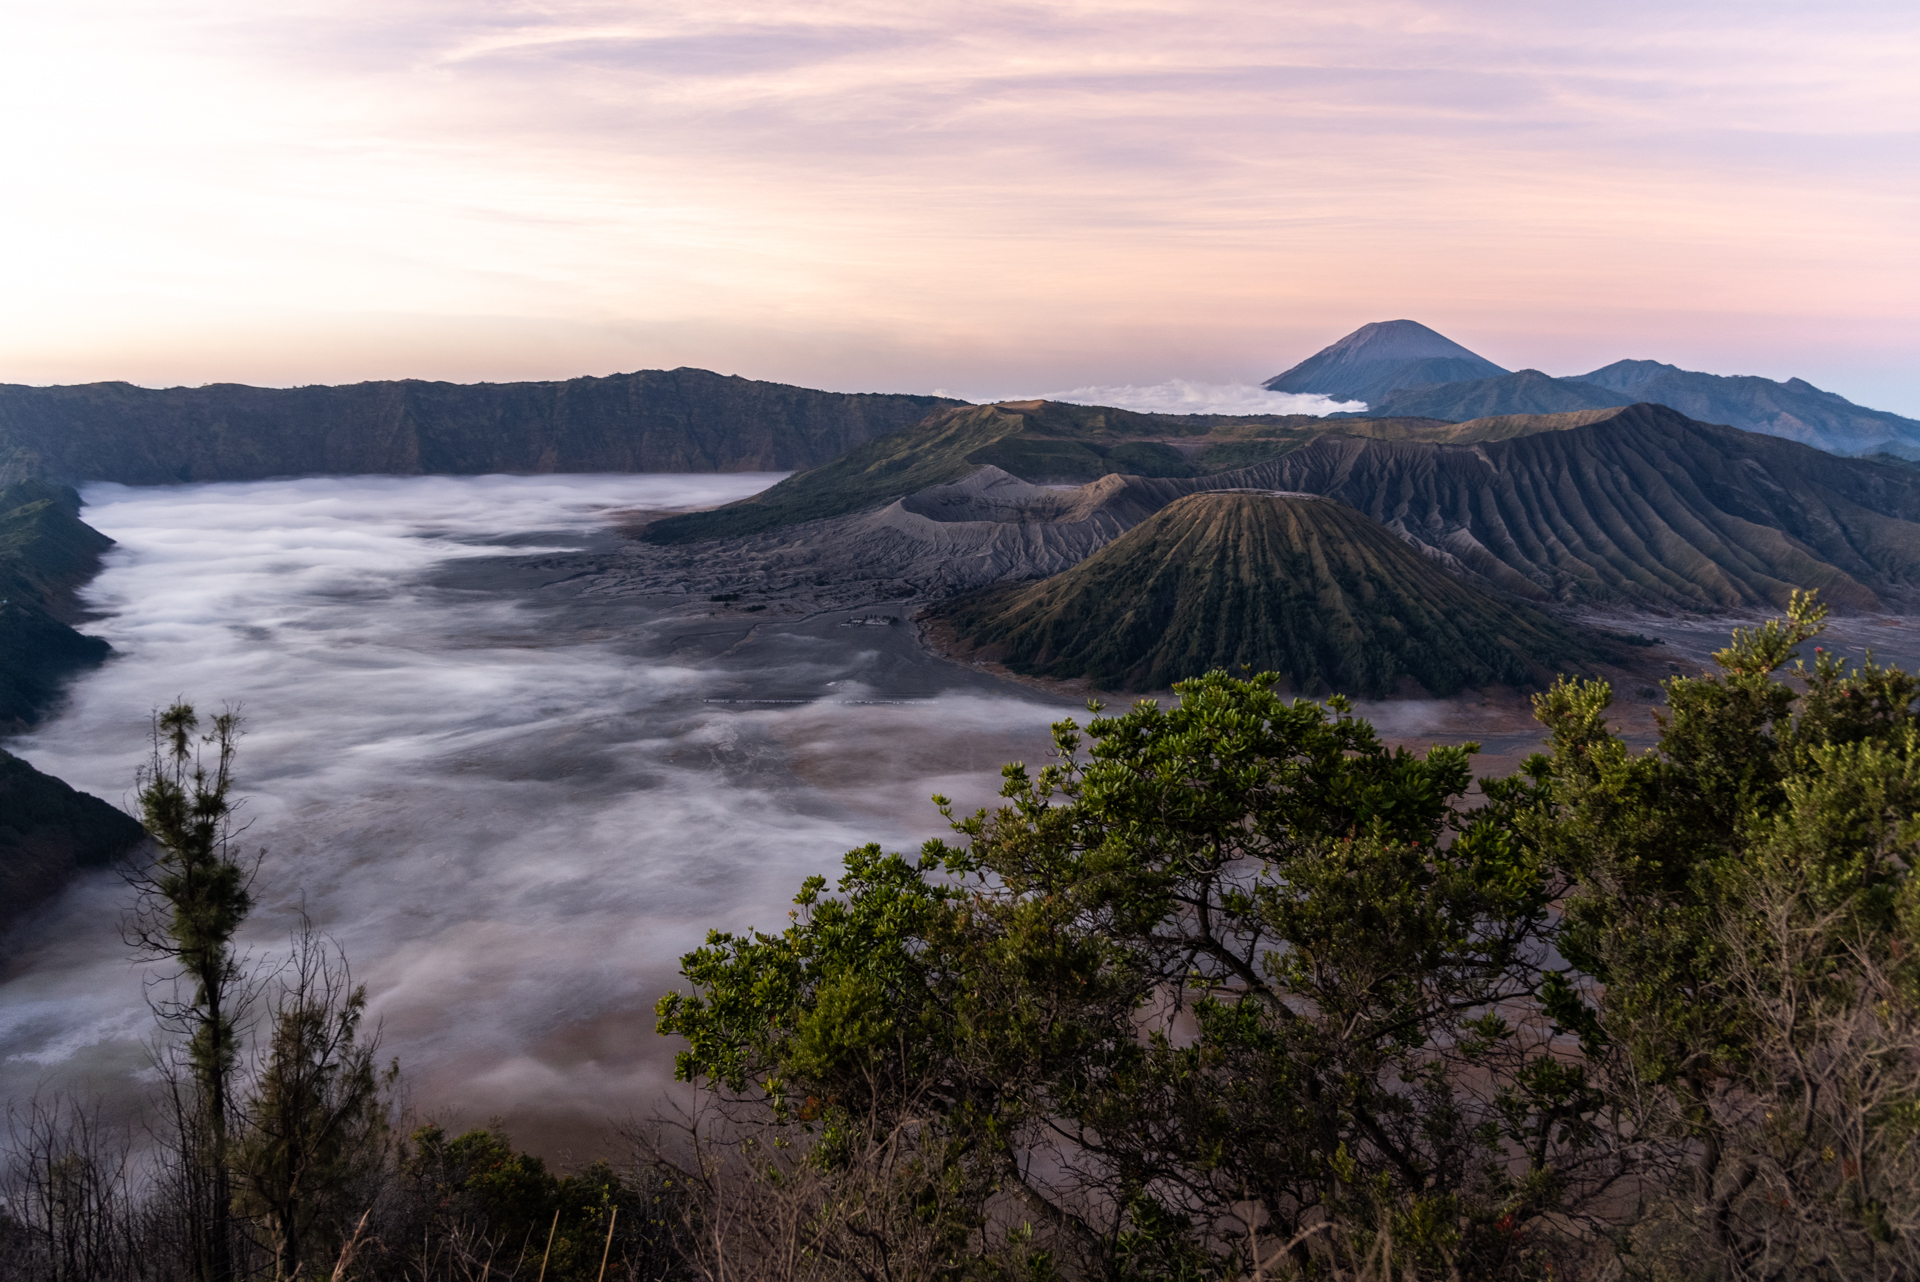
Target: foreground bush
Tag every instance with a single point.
(1233, 990)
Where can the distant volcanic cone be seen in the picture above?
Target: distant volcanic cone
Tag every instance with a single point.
(1302, 586)
(1376, 359)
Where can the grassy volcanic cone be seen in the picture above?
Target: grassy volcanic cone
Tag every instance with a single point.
(1302, 586)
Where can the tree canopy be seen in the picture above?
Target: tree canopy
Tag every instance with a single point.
(1231, 989)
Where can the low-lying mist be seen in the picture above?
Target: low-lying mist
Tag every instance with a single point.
(1181, 396)
(508, 802)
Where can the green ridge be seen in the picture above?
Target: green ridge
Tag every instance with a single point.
(1304, 587)
(45, 552)
(47, 831)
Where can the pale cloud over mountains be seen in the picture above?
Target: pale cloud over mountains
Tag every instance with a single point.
(868, 195)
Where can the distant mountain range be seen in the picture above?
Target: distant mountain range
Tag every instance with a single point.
(1402, 369)
(682, 420)
(1636, 508)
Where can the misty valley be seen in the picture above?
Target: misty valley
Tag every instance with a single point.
(1031, 839)
(514, 805)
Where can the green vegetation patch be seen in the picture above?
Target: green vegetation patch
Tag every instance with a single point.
(45, 552)
(1384, 1026)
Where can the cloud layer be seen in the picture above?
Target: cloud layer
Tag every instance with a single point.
(508, 807)
(1179, 396)
(877, 195)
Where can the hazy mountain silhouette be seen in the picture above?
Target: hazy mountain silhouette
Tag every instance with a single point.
(1375, 359)
(1795, 409)
(1405, 370)
(683, 420)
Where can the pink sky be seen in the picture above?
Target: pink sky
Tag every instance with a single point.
(981, 197)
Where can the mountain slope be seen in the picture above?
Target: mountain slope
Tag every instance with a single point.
(45, 552)
(1636, 507)
(1641, 507)
(1526, 392)
(683, 420)
(1795, 409)
(1375, 359)
(48, 831)
(1302, 586)
(1041, 442)
(1405, 370)
(1036, 441)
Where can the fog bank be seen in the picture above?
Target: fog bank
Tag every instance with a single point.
(1180, 396)
(513, 806)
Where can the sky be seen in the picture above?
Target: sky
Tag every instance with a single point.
(982, 198)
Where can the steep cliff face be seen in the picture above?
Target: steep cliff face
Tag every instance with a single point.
(1306, 587)
(683, 420)
(46, 552)
(47, 832)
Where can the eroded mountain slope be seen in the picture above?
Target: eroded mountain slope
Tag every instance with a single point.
(1299, 585)
(1641, 507)
(1044, 442)
(1631, 508)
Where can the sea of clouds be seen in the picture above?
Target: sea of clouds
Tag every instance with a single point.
(1179, 396)
(509, 809)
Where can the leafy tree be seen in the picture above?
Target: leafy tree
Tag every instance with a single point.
(193, 900)
(313, 1128)
(1226, 981)
(1232, 989)
(488, 1207)
(1745, 916)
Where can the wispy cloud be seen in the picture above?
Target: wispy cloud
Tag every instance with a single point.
(878, 194)
(1179, 396)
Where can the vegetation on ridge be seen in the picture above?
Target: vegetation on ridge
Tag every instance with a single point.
(45, 552)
